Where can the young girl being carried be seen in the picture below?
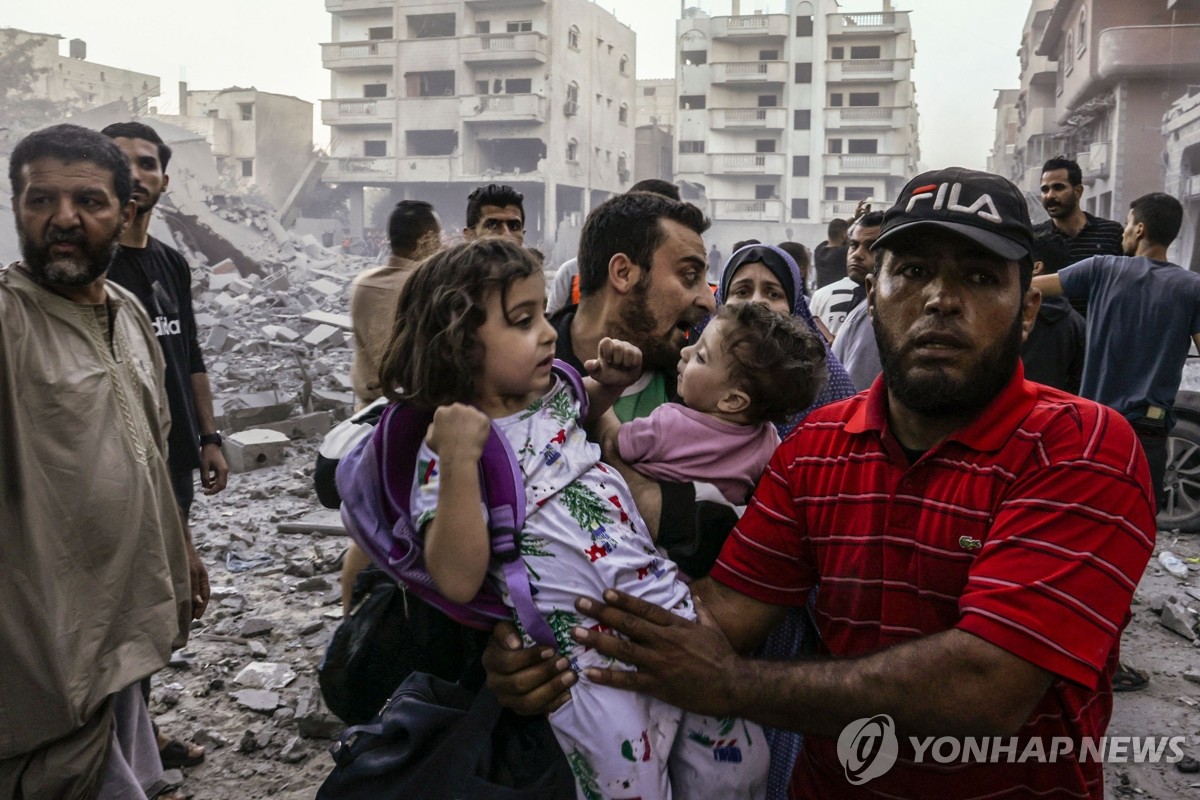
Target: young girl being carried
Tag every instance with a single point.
(472, 341)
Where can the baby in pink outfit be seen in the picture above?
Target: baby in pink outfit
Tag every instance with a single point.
(750, 368)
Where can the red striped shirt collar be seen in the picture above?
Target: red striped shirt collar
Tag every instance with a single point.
(990, 431)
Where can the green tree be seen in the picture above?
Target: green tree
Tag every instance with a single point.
(20, 105)
(585, 506)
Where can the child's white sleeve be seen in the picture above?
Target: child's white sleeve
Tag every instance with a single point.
(426, 484)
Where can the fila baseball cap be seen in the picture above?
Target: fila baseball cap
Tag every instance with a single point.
(985, 208)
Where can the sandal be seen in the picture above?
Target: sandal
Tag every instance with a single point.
(1128, 679)
(176, 754)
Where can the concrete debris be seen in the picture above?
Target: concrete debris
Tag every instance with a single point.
(265, 675)
(1177, 617)
(260, 700)
(254, 449)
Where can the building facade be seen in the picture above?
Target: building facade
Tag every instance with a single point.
(788, 120)
(259, 138)
(77, 82)
(1097, 77)
(432, 98)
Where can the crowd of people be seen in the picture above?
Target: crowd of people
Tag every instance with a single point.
(720, 477)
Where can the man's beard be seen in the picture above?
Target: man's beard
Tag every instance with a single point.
(638, 327)
(937, 394)
(1061, 209)
(145, 203)
(48, 270)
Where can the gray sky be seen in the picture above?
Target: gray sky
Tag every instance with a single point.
(965, 50)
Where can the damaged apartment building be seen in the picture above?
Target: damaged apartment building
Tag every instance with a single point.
(431, 99)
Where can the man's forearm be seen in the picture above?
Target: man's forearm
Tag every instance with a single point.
(951, 683)
(202, 396)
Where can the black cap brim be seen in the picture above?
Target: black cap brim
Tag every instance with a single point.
(1001, 246)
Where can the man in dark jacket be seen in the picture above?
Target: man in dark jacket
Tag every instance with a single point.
(1053, 351)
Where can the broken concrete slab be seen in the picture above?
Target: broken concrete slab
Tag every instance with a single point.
(1177, 617)
(265, 675)
(324, 521)
(254, 449)
(260, 700)
(325, 318)
(325, 336)
(325, 287)
(280, 333)
(317, 423)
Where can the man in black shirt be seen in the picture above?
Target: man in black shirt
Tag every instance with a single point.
(1083, 234)
(160, 278)
(829, 257)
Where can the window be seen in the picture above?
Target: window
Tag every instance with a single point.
(862, 146)
(835, 146)
(864, 98)
(571, 107)
(623, 114)
(623, 167)
(835, 99)
(624, 66)
(379, 33)
(837, 53)
(649, 91)
(375, 148)
(483, 26)
(481, 87)
(246, 111)
(247, 167)
(518, 86)
(1082, 43)
(691, 101)
(430, 26)
(214, 113)
(857, 193)
(865, 51)
(693, 58)
(801, 119)
(768, 100)
(573, 38)
(431, 142)
(430, 84)
(804, 26)
(691, 146)
(804, 72)
(572, 150)
(764, 145)
(1069, 52)
(374, 90)
(519, 26)
(831, 193)
(799, 208)
(768, 55)
(800, 166)
(765, 191)
(102, 79)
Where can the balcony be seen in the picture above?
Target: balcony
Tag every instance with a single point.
(751, 119)
(1191, 187)
(755, 73)
(360, 111)
(359, 55)
(340, 6)
(504, 48)
(1149, 50)
(1039, 121)
(866, 69)
(746, 28)
(748, 210)
(359, 170)
(838, 209)
(865, 164)
(885, 117)
(871, 24)
(488, 5)
(1094, 162)
(508, 108)
(747, 163)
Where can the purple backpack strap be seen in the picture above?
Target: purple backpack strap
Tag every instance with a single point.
(568, 374)
(504, 495)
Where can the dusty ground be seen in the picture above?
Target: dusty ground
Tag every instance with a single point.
(280, 754)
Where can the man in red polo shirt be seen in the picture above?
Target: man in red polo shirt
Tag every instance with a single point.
(976, 540)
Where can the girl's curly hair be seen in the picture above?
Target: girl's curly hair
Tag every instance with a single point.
(433, 357)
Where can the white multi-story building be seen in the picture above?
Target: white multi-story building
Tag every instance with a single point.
(788, 120)
(74, 80)
(431, 98)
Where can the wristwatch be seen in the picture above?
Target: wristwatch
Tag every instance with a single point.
(211, 438)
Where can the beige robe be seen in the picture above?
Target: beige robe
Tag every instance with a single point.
(93, 568)
(373, 297)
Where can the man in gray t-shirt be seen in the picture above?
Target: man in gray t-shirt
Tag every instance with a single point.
(1142, 311)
